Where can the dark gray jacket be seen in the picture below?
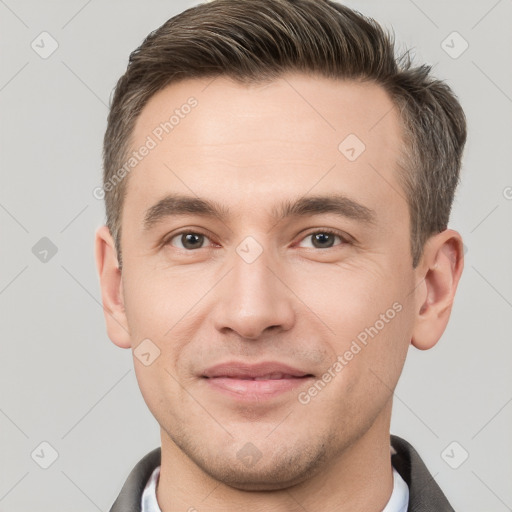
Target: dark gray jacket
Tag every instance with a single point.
(424, 493)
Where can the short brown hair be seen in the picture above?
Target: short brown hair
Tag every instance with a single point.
(254, 41)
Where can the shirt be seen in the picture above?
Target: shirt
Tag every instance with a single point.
(398, 502)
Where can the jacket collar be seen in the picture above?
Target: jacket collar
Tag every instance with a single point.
(424, 493)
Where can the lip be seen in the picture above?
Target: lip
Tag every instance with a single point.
(256, 382)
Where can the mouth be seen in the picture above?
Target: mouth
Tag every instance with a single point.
(255, 382)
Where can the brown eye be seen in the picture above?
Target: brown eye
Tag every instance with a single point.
(188, 240)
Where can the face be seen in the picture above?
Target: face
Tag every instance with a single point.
(281, 322)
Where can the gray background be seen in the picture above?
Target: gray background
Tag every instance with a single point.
(63, 382)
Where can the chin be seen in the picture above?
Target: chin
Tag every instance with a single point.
(283, 470)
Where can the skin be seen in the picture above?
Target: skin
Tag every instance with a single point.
(250, 148)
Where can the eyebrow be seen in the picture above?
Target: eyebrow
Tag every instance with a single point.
(338, 204)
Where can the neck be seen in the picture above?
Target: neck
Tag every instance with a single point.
(359, 479)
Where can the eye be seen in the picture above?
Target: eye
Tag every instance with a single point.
(187, 240)
(324, 238)
(193, 240)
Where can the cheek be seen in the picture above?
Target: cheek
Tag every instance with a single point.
(158, 318)
(159, 382)
(375, 352)
(347, 299)
(369, 321)
(152, 307)
(148, 378)
(158, 298)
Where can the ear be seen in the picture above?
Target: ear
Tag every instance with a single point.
(111, 286)
(438, 273)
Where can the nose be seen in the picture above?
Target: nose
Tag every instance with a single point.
(254, 299)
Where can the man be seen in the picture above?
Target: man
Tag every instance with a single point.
(278, 188)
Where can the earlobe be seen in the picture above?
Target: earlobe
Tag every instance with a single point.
(439, 273)
(111, 288)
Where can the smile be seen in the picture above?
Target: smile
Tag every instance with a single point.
(258, 382)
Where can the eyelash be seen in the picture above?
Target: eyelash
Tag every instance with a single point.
(327, 231)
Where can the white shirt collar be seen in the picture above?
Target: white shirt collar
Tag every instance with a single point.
(149, 503)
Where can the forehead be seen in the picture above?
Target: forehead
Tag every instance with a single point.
(253, 146)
